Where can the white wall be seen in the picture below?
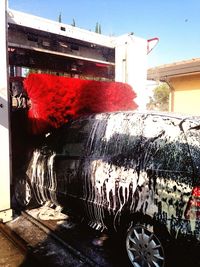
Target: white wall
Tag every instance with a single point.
(131, 65)
(5, 213)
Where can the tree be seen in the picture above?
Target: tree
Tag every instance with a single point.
(60, 17)
(73, 23)
(160, 98)
(98, 28)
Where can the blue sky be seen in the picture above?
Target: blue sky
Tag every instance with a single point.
(175, 22)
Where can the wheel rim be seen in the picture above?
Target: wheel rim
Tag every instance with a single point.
(144, 248)
(23, 192)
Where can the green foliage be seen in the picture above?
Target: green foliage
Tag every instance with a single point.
(60, 18)
(98, 28)
(160, 98)
(73, 23)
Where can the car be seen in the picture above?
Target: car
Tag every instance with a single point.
(132, 172)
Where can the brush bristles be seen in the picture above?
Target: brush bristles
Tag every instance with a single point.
(56, 99)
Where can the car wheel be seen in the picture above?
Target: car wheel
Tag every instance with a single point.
(144, 247)
(23, 192)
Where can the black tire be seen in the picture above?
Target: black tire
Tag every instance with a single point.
(144, 246)
(23, 193)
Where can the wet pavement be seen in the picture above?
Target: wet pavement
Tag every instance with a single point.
(45, 247)
(68, 243)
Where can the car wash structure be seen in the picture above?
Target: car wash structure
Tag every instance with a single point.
(32, 42)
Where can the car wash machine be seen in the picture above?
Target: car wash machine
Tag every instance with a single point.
(30, 42)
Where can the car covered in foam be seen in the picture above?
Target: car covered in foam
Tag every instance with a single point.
(138, 172)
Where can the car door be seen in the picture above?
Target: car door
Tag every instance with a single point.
(192, 133)
(166, 169)
(110, 168)
(68, 157)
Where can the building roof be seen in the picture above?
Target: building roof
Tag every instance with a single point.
(163, 72)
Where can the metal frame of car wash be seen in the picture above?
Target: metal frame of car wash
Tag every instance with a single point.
(27, 41)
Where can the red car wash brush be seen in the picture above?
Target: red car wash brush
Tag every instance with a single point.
(56, 99)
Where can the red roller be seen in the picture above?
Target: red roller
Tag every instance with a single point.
(56, 99)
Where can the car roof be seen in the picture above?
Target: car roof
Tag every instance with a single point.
(153, 113)
(193, 121)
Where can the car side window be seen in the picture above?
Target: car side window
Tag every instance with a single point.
(74, 138)
(165, 146)
(115, 134)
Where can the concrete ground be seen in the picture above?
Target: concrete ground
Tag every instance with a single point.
(12, 256)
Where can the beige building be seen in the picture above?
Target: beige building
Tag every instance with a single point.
(184, 81)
